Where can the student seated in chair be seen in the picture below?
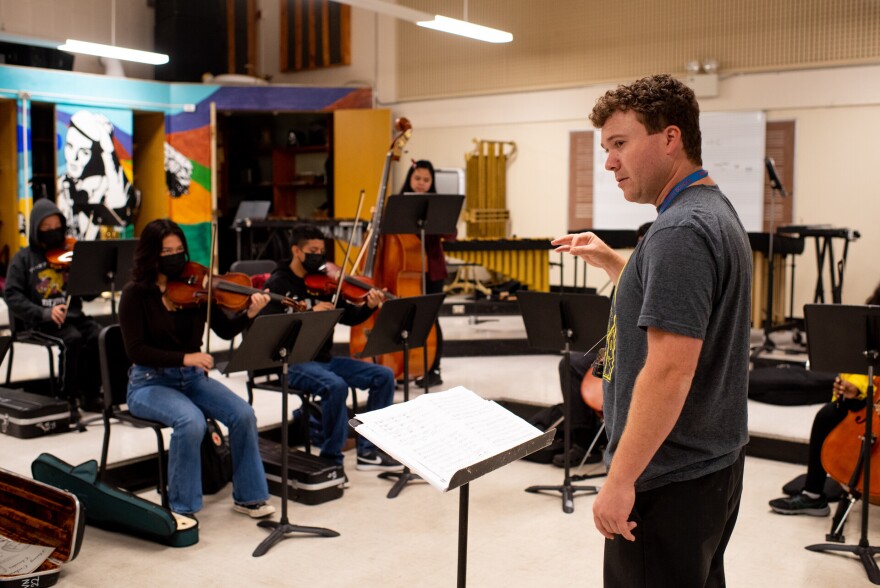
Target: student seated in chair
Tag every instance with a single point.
(169, 383)
(330, 377)
(848, 394)
(36, 293)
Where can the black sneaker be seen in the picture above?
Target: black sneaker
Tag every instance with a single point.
(801, 504)
(376, 460)
(434, 379)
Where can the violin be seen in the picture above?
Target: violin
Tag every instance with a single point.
(354, 289)
(231, 290)
(62, 258)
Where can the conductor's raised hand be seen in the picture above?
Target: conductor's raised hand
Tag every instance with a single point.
(592, 250)
(612, 509)
(199, 360)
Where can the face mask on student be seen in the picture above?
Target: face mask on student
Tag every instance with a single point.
(52, 239)
(313, 262)
(172, 265)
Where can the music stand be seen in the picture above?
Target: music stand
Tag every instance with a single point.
(101, 266)
(846, 339)
(776, 189)
(422, 214)
(273, 341)
(571, 322)
(404, 323)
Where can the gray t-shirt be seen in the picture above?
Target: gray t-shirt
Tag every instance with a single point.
(690, 275)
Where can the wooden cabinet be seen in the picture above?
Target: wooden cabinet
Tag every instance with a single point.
(299, 181)
(308, 164)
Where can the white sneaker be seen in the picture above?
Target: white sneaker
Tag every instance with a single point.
(255, 511)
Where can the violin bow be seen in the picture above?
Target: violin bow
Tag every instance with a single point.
(357, 219)
(213, 127)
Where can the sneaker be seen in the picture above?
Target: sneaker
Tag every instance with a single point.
(575, 455)
(434, 379)
(255, 511)
(376, 460)
(801, 504)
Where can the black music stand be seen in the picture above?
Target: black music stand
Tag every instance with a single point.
(846, 338)
(403, 324)
(776, 189)
(273, 341)
(422, 214)
(571, 322)
(101, 266)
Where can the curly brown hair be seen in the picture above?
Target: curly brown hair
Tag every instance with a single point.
(658, 101)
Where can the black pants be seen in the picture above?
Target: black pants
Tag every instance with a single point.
(80, 365)
(828, 417)
(436, 287)
(682, 532)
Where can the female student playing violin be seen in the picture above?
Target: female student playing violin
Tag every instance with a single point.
(169, 383)
(848, 394)
(326, 376)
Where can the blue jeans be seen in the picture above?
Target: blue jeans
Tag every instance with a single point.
(182, 398)
(330, 381)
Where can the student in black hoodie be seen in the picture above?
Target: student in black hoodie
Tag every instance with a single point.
(36, 293)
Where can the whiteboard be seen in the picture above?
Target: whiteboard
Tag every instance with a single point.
(733, 154)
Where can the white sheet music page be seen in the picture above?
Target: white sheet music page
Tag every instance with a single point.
(440, 433)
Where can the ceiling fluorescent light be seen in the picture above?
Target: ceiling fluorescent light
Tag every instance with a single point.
(466, 29)
(436, 22)
(113, 52)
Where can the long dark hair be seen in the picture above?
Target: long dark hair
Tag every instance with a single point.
(420, 164)
(149, 248)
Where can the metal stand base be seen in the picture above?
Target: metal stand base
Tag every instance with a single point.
(403, 478)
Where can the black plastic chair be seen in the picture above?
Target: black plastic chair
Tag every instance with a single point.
(271, 380)
(114, 381)
(20, 335)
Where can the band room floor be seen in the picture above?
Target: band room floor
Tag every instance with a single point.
(515, 539)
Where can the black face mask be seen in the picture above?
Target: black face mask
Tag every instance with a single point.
(172, 265)
(314, 262)
(52, 239)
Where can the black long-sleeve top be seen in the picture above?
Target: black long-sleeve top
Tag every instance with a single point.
(157, 337)
(283, 281)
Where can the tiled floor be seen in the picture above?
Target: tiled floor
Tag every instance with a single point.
(515, 539)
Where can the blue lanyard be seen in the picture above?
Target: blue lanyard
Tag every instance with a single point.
(679, 187)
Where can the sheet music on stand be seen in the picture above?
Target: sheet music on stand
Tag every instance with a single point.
(450, 438)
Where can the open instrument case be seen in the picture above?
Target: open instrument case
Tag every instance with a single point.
(36, 514)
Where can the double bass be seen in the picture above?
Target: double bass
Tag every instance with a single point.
(393, 262)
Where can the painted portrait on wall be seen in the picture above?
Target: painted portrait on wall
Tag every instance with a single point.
(94, 171)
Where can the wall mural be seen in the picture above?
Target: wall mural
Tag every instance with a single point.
(94, 171)
(94, 144)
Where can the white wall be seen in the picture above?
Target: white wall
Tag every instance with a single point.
(837, 176)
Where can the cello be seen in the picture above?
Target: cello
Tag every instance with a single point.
(842, 450)
(393, 262)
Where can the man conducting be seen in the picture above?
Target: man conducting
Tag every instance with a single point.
(676, 369)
